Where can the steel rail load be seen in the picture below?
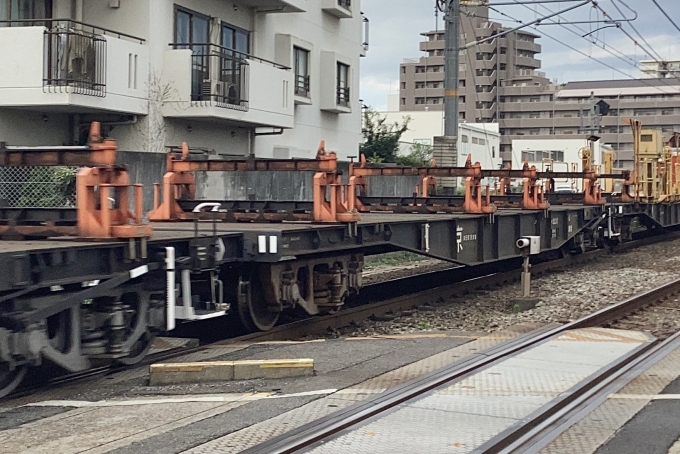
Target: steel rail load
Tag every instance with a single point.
(86, 296)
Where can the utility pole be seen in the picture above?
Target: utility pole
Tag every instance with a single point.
(446, 146)
(451, 68)
(445, 150)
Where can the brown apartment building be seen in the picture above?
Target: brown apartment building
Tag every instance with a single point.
(499, 82)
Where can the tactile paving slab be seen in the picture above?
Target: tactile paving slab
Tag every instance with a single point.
(466, 414)
(261, 432)
(587, 435)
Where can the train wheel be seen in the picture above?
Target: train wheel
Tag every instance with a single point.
(139, 337)
(10, 379)
(252, 308)
(139, 350)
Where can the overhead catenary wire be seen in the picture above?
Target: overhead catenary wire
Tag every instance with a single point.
(667, 16)
(613, 68)
(620, 27)
(611, 50)
(659, 59)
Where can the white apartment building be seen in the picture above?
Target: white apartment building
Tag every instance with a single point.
(653, 69)
(270, 78)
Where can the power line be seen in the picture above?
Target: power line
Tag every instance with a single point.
(584, 54)
(623, 57)
(667, 16)
(620, 27)
(660, 58)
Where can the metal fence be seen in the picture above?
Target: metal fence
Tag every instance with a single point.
(37, 187)
(75, 61)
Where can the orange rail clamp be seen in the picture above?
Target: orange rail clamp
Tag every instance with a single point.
(179, 182)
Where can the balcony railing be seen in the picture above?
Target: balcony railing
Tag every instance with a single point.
(69, 24)
(74, 61)
(302, 85)
(343, 96)
(74, 54)
(219, 75)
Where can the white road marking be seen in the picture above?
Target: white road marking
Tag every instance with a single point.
(646, 396)
(218, 398)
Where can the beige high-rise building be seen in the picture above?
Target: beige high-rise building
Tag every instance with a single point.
(499, 82)
(483, 69)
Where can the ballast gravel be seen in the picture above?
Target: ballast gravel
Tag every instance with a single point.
(563, 296)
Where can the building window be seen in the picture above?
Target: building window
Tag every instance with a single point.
(301, 61)
(191, 32)
(493, 151)
(190, 28)
(403, 69)
(535, 99)
(502, 66)
(236, 39)
(646, 138)
(25, 9)
(475, 140)
(482, 142)
(403, 101)
(534, 115)
(461, 83)
(403, 85)
(420, 69)
(420, 100)
(343, 84)
(464, 138)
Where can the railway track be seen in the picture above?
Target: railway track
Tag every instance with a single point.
(543, 426)
(376, 300)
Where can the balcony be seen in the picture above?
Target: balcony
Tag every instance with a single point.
(528, 61)
(334, 82)
(207, 81)
(277, 6)
(69, 66)
(341, 9)
(527, 45)
(426, 46)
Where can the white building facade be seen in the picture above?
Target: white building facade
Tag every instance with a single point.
(269, 78)
(481, 140)
(561, 155)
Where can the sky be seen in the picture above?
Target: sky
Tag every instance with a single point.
(395, 27)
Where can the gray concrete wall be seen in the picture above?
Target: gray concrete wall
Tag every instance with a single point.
(148, 168)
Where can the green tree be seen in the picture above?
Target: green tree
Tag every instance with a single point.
(382, 138)
(48, 187)
(419, 156)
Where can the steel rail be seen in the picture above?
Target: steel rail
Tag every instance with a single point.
(324, 428)
(545, 427)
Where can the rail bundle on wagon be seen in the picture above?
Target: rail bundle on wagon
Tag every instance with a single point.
(95, 283)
